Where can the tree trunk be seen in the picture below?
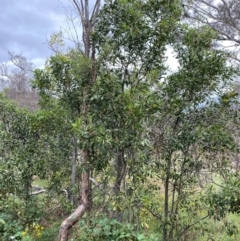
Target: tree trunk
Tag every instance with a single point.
(121, 169)
(68, 223)
(166, 202)
(74, 166)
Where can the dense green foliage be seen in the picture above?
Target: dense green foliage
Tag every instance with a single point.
(160, 142)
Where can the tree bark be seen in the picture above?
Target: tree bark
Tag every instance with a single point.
(68, 223)
(74, 166)
(166, 202)
(121, 169)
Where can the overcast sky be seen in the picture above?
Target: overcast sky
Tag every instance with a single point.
(25, 26)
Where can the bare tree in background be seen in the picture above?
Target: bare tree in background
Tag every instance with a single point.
(16, 74)
(221, 15)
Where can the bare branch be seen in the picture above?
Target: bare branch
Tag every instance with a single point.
(80, 11)
(222, 16)
(98, 185)
(95, 12)
(38, 190)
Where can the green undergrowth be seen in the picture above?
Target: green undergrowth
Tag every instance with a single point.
(45, 214)
(47, 234)
(224, 230)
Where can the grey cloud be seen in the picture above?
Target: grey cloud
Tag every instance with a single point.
(25, 26)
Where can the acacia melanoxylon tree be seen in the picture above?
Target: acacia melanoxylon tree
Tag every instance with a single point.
(192, 123)
(66, 83)
(182, 104)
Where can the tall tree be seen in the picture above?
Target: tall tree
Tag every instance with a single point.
(191, 115)
(72, 77)
(131, 39)
(60, 66)
(88, 22)
(132, 51)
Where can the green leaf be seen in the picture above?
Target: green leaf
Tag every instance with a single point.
(2, 221)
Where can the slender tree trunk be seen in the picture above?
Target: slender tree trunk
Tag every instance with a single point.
(166, 202)
(88, 22)
(68, 223)
(166, 209)
(121, 169)
(85, 192)
(74, 166)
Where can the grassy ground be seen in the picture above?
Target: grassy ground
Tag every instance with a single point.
(224, 230)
